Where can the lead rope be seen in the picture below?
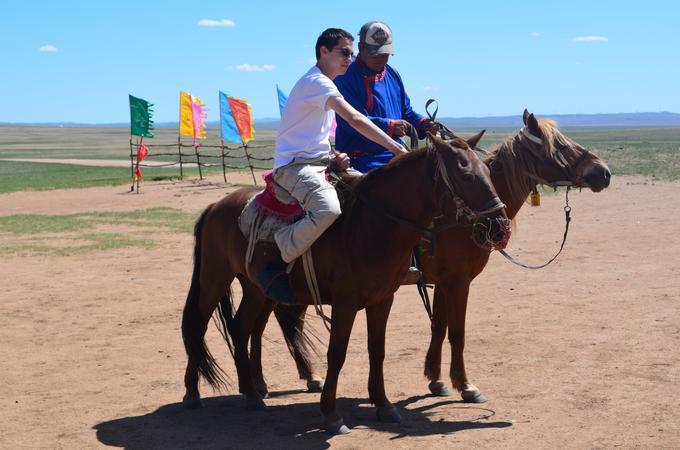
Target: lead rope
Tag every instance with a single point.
(567, 217)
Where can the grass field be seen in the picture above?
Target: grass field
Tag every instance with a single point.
(72, 234)
(653, 152)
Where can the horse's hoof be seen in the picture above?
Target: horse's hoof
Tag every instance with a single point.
(192, 402)
(314, 386)
(255, 404)
(439, 389)
(472, 395)
(337, 427)
(262, 390)
(388, 414)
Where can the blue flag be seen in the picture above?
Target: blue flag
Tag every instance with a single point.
(228, 126)
(282, 99)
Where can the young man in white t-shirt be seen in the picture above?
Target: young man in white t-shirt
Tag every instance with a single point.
(303, 152)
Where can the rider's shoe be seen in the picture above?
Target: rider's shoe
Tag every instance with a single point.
(274, 282)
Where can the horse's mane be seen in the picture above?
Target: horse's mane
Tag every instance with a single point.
(375, 176)
(517, 162)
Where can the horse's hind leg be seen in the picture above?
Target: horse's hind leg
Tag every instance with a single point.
(201, 303)
(433, 360)
(292, 322)
(241, 329)
(251, 291)
(376, 320)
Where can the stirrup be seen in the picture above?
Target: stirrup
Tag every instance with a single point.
(411, 276)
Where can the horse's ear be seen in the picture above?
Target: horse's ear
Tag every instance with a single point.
(435, 140)
(474, 140)
(525, 116)
(532, 123)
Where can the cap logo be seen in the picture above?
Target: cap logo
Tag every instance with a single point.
(379, 36)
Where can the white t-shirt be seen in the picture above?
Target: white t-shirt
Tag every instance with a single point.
(306, 122)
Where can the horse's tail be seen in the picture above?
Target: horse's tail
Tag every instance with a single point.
(194, 326)
(299, 339)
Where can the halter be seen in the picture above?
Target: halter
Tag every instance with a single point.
(562, 162)
(559, 159)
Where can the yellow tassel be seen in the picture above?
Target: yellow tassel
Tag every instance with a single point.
(535, 198)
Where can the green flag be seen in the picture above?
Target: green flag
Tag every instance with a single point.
(141, 122)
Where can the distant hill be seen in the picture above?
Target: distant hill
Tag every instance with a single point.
(627, 120)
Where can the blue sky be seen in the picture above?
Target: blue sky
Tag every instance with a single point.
(78, 60)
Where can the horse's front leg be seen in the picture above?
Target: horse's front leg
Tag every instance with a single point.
(342, 320)
(433, 360)
(376, 321)
(458, 289)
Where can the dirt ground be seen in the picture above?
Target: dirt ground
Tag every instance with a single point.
(581, 354)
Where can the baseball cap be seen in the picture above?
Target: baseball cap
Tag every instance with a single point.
(377, 38)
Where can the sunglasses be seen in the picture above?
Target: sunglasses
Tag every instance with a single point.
(346, 53)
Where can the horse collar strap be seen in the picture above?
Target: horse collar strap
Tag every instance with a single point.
(527, 134)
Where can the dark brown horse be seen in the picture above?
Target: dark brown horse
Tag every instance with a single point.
(359, 262)
(538, 154)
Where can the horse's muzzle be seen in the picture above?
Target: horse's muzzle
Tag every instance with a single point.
(597, 177)
(492, 233)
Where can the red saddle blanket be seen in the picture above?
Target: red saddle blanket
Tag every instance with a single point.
(268, 204)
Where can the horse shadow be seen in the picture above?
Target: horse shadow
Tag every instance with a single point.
(224, 422)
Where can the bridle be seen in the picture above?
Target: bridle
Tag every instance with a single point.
(462, 209)
(481, 223)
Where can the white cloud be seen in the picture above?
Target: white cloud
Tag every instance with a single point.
(431, 88)
(590, 39)
(253, 67)
(535, 34)
(48, 48)
(216, 23)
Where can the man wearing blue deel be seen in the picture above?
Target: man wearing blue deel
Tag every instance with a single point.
(375, 89)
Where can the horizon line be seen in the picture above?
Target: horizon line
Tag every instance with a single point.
(275, 119)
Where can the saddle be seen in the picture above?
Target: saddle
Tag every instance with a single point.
(274, 207)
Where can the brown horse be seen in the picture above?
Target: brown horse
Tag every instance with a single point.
(359, 262)
(538, 154)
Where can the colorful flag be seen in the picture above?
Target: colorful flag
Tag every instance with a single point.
(142, 153)
(282, 99)
(141, 121)
(236, 119)
(192, 116)
(186, 121)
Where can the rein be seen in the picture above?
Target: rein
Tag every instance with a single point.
(462, 209)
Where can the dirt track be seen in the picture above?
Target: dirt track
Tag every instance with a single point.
(581, 354)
